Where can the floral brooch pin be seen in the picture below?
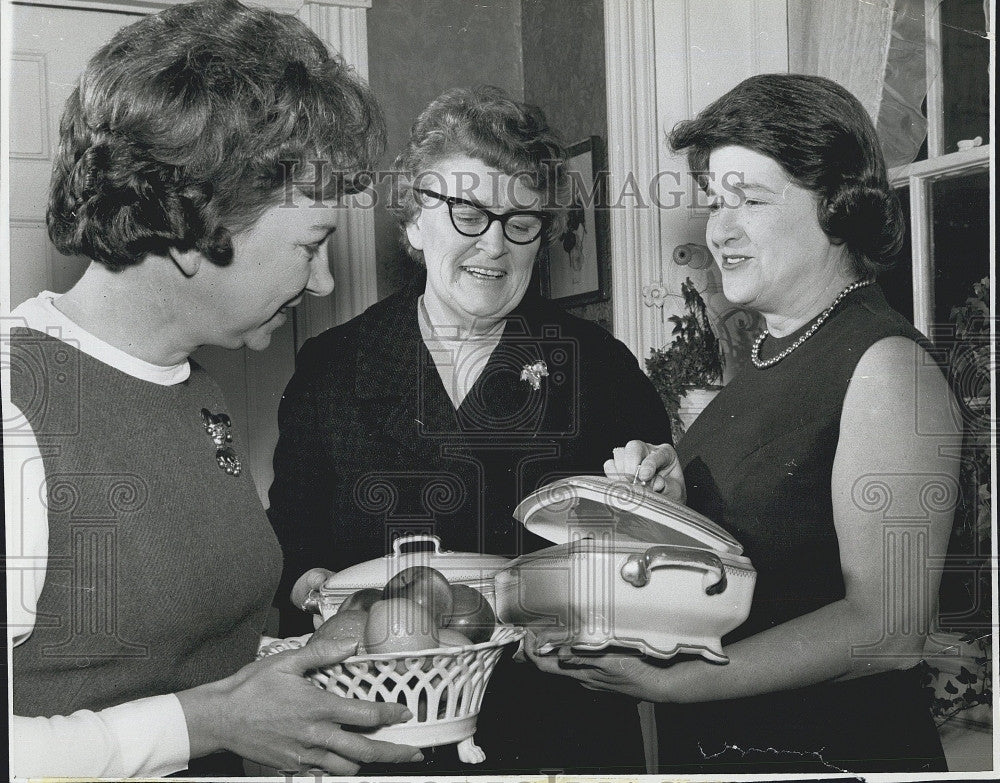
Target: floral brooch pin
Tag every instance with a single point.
(220, 429)
(533, 374)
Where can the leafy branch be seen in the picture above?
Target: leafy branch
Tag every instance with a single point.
(965, 690)
(965, 596)
(694, 358)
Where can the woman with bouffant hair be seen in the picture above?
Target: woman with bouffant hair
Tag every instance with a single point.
(134, 646)
(830, 149)
(511, 138)
(183, 130)
(465, 379)
(832, 458)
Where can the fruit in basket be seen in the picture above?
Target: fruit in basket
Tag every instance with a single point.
(471, 614)
(424, 585)
(399, 625)
(346, 624)
(449, 637)
(362, 599)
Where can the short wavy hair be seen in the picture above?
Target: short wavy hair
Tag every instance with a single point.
(824, 139)
(181, 130)
(485, 123)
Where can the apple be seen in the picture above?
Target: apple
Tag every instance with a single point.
(471, 614)
(423, 585)
(361, 599)
(349, 624)
(399, 625)
(449, 637)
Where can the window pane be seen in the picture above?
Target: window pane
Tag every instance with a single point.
(961, 239)
(965, 59)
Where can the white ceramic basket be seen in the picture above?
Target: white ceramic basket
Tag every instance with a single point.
(443, 688)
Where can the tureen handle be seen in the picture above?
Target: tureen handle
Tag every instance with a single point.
(414, 538)
(636, 569)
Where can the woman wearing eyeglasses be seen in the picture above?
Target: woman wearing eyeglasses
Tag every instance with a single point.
(438, 409)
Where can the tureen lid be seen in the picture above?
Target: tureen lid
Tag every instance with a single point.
(416, 550)
(592, 506)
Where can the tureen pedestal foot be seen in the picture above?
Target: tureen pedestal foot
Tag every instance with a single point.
(469, 752)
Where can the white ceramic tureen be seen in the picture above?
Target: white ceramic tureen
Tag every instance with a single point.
(630, 569)
(468, 568)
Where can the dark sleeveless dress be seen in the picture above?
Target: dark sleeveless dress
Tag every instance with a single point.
(759, 462)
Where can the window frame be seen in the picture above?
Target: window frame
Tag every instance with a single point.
(921, 175)
(918, 178)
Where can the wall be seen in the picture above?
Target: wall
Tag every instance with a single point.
(417, 50)
(49, 47)
(563, 47)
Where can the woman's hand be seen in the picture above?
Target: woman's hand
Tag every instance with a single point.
(631, 675)
(657, 466)
(312, 579)
(270, 713)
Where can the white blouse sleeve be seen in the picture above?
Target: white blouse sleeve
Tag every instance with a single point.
(27, 523)
(142, 738)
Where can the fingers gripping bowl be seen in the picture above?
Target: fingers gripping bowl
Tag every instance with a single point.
(442, 687)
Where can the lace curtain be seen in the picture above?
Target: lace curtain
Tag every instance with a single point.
(874, 48)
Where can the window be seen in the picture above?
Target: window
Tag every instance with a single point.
(946, 194)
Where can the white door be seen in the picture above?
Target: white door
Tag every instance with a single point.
(667, 60)
(50, 48)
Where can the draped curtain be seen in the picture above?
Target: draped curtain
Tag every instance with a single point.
(876, 49)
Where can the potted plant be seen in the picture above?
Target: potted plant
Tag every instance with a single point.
(687, 373)
(960, 675)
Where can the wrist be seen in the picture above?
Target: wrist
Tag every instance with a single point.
(203, 708)
(667, 686)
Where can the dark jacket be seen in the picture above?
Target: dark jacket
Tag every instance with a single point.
(371, 448)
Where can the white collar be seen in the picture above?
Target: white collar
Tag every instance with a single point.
(41, 314)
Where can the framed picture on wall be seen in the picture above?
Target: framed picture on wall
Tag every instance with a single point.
(576, 266)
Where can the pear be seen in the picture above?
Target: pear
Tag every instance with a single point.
(424, 585)
(471, 614)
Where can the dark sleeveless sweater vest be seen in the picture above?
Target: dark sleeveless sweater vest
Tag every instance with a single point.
(161, 565)
(760, 458)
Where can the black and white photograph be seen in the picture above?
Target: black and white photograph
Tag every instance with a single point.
(499, 390)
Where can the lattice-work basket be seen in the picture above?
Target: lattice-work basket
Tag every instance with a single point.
(443, 688)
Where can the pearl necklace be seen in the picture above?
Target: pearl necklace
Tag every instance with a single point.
(755, 351)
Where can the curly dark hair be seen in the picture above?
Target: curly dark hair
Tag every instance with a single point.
(824, 139)
(483, 122)
(182, 128)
